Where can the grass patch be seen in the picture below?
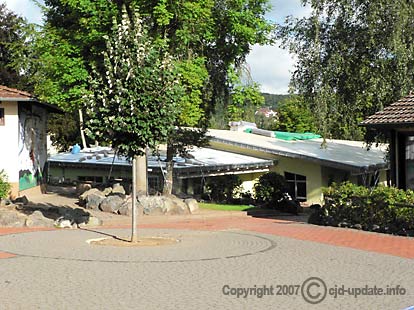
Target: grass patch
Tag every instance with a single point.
(224, 207)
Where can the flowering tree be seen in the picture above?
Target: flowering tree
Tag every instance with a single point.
(132, 101)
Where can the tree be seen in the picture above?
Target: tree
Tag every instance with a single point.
(12, 35)
(132, 103)
(353, 58)
(294, 116)
(206, 38)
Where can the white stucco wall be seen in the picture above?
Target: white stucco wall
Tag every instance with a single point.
(9, 141)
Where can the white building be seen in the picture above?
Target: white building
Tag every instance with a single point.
(23, 154)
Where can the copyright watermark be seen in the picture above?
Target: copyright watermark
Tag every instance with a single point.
(313, 290)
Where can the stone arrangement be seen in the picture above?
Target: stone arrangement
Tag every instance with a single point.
(20, 213)
(114, 200)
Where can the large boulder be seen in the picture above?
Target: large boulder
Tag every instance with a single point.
(126, 207)
(94, 200)
(82, 197)
(159, 205)
(111, 204)
(37, 219)
(10, 218)
(82, 187)
(192, 205)
(118, 189)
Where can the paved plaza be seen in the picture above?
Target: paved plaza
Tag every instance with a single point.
(218, 262)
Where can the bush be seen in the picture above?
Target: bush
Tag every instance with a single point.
(384, 209)
(270, 188)
(224, 188)
(4, 185)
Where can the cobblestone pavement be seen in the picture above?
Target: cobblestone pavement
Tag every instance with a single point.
(58, 269)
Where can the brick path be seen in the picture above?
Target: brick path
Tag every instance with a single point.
(361, 240)
(57, 269)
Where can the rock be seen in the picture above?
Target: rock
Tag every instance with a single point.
(118, 188)
(357, 226)
(82, 197)
(37, 219)
(22, 200)
(178, 206)
(375, 228)
(158, 205)
(111, 204)
(94, 200)
(94, 221)
(12, 219)
(5, 202)
(126, 207)
(192, 205)
(82, 188)
(107, 191)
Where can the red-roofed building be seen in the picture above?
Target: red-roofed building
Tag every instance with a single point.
(397, 121)
(23, 124)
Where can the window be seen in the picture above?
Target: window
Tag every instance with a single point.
(2, 123)
(296, 185)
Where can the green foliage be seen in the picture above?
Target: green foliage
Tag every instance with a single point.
(273, 100)
(270, 188)
(4, 185)
(12, 37)
(294, 116)
(223, 188)
(64, 130)
(385, 209)
(245, 99)
(133, 103)
(353, 58)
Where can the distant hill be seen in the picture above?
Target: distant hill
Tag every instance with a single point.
(272, 100)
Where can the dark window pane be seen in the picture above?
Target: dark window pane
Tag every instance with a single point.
(289, 176)
(300, 177)
(301, 188)
(291, 188)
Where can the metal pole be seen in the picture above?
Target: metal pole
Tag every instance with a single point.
(134, 235)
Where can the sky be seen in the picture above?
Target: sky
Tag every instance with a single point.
(270, 66)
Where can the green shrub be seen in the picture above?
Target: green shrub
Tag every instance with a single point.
(385, 209)
(270, 188)
(4, 185)
(224, 188)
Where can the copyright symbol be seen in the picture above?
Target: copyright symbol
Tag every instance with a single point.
(313, 290)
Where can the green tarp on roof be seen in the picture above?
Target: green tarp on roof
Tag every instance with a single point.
(295, 136)
(282, 135)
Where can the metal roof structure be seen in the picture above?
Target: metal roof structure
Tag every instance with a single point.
(352, 156)
(201, 162)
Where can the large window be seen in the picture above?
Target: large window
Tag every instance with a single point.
(296, 185)
(2, 123)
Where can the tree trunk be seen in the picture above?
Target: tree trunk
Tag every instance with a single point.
(82, 132)
(139, 186)
(134, 233)
(168, 180)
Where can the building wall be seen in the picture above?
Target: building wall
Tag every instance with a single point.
(311, 170)
(9, 142)
(32, 149)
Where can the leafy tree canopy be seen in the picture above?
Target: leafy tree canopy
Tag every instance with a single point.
(12, 36)
(133, 103)
(353, 58)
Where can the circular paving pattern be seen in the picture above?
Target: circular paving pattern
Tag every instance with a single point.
(192, 246)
